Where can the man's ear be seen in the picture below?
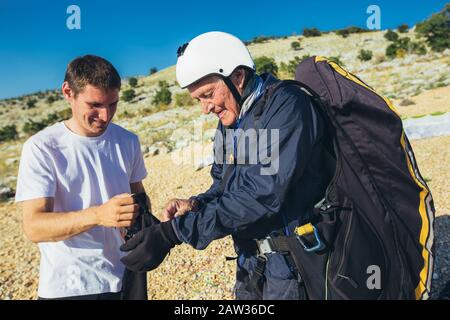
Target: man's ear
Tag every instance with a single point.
(67, 91)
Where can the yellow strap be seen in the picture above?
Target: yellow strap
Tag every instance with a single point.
(351, 77)
(304, 229)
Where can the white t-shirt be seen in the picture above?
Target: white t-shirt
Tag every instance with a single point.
(80, 172)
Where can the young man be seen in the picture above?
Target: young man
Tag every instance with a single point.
(75, 180)
(247, 200)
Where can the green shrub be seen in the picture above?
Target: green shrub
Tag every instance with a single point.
(403, 28)
(8, 132)
(291, 66)
(265, 64)
(295, 45)
(260, 39)
(31, 127)
(57, 116)
(365, 55)
(31, 103)
(128, 95)
(153, 70)
(133, 82)
(184, 99)
(65, 114)
(417, 48)
(391, 35)
(50, 99)
(336, 60)
(391, 50)
(404, 46)
(349, 30)
(313, 32)
(163, 95)
(436, 30)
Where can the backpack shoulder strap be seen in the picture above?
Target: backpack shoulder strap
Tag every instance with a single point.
(261, 103)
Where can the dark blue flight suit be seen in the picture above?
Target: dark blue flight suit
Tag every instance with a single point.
(253, 205)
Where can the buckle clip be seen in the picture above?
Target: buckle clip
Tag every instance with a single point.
(264, 246)
(304, 230)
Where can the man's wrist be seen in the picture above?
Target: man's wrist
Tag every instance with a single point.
(197, 203)
(169, 231)
(93, 216)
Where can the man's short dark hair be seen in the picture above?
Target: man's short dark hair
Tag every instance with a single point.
(92, 70)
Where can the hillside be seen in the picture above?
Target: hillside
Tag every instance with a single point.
(399, 79)
(417, 84)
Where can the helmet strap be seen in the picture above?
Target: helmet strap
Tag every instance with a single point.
(233, 90)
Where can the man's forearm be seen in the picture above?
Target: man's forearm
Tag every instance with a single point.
(57, 226)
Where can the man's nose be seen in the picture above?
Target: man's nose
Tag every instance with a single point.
(207, 107)
(103, 114)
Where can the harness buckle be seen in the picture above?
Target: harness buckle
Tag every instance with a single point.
(264, 246)
(307, 229)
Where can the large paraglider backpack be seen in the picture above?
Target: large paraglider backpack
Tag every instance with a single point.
(371, 236)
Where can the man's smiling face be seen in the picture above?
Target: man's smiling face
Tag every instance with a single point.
(92, 109)
(215, 97)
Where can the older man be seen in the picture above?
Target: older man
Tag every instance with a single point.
(250, 200)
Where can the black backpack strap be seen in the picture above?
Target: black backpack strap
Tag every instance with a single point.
(257, 278)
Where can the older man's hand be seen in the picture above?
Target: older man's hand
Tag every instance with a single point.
(178, 207)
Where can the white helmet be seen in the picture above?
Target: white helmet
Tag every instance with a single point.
(211, 53)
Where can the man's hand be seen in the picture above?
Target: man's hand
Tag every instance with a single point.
(178, 207)
(149, 247)
(119, 211)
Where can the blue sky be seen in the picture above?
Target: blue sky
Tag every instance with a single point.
(36, 45)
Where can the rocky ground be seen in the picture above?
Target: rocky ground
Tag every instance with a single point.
(191, 274)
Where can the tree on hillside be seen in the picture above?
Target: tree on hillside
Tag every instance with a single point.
(349, 30)
(163, 95)
(436, 30)
(265, 64)
(403, 28)
(133, 82)
(403, 46)
(31, 103)
(153, 70)
(128, 95)
(365, 55)
(8, 132)
(313, 32)
(391, 35)
(295, 45)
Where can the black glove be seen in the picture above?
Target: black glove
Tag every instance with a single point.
(144, 218)
(149, 247)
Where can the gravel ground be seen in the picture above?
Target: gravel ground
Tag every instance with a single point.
(191, 274)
